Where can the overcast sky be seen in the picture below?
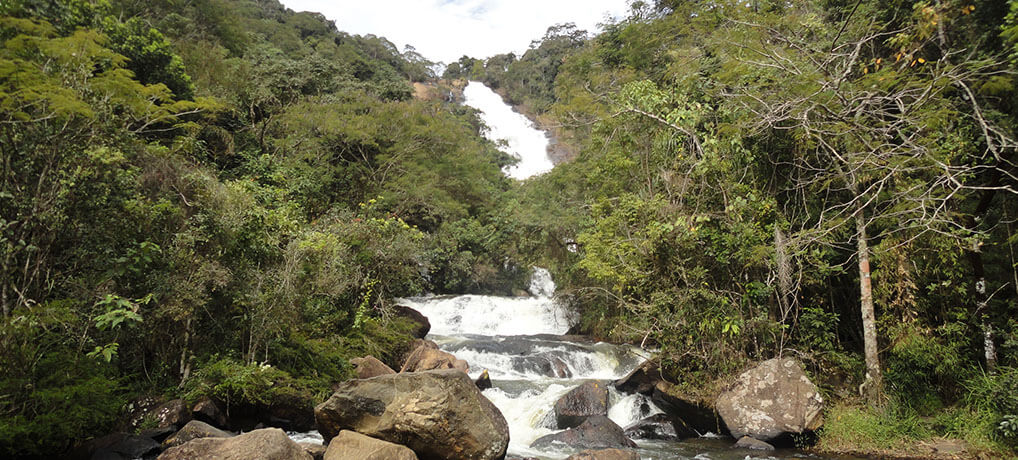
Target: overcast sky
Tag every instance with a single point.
(444, 30)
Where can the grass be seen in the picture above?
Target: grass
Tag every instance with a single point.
(896, 431)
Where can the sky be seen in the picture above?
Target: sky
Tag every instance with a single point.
(444, 30)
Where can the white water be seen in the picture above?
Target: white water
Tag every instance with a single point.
(524, 141)
(519, 342)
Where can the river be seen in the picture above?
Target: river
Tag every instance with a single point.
(521, 341)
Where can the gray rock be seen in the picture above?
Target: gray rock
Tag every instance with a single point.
(194, 430)
(747, 442)
(596, 432)
(369, 366)
(439, 414)
(266, 444)
(690, 414)
(349, 445)
(774, 399)
(581, 402)
(657, 426)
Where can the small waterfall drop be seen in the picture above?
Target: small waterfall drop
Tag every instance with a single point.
(519, 341)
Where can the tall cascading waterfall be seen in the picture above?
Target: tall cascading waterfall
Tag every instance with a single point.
(528, 144)
(520, 342)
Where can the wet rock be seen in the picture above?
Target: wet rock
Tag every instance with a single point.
(641, 380)
(773, 400)
(317, 451)
(266, 444)
(427, 357)
(439, 414)
(169, 413)
(581, 402)
(689, 414)
(605, 454)
(349, 445)
(423, 325)
(657, 426)
(194, 430)
(209, 411)
(554, 366)
(369, 366)
(596, 432)
(747, 442)
(483, 382)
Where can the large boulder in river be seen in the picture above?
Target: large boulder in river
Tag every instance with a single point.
(422, 325)
(264, 444)
(581, 402)
(427, 357)
(772, 400)
(369, 366)
(349, 445)
(605, 454)
(195, 429)
(439, 414)
(641, 380)
(658, 426)
(596, 432)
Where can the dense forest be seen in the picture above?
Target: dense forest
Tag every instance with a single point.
(222, 198)
(831, 180)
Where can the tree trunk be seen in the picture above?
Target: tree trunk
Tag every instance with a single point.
(874, 379)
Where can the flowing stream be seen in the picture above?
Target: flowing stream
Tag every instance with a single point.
(520, 341)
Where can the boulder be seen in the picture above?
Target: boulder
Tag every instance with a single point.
(137, 410)
(658, 426)
(349, 445)
(439, 414)
(209, 411)
(171, 413)
(555, 367)
(158, 434)
(596, 432)
(747, 442)
(773, 400)
(428, 358)
(641, 380)
(581, 402)
(483, 382)
(369, 366)
(423, 325)
(128, 446)
(689, 414)
(317, 451)
(194, 430)
(605, 454)
(265, 444)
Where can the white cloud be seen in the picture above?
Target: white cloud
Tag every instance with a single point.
(444, 30)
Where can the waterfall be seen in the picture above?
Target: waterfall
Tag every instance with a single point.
(523, 141)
